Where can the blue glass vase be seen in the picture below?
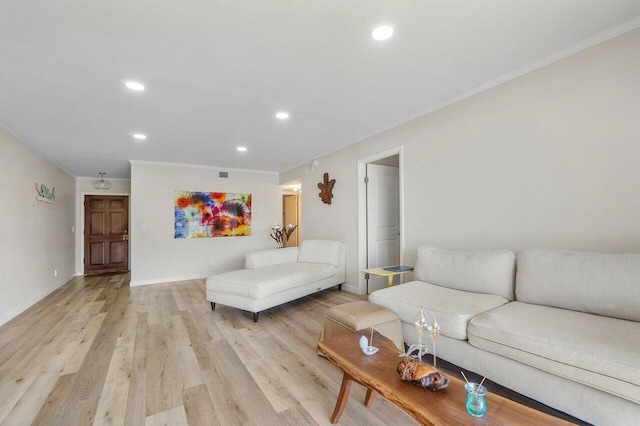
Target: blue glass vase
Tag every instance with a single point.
(476, 401)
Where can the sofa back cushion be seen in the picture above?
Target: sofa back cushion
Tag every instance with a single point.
(260, 259)
(321, 251)
(479, 271)
(602, 284)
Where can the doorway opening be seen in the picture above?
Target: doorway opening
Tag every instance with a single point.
(292, 211)
(381, 232)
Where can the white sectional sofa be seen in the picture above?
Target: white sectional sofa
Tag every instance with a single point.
(560, 327)
(274, 277)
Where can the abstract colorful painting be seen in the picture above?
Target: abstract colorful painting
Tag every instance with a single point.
(212, 214)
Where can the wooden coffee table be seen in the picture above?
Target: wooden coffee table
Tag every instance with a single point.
(447, 407)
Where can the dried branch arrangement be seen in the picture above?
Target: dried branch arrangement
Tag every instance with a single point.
(281, 233)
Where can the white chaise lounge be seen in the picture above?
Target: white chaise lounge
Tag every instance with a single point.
(274, 277)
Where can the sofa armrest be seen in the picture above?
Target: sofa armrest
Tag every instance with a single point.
(259, 259)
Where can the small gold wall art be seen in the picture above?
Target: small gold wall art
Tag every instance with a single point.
(326, 189)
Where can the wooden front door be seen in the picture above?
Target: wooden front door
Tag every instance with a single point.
(106, 234)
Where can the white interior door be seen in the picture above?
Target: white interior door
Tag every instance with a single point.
(383, 220)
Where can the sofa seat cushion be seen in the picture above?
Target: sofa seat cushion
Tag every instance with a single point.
(453, 308)
(597, 351)
(263, 282)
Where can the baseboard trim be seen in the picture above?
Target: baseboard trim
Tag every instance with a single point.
(165, 280)
(351, 288)
(5, 317)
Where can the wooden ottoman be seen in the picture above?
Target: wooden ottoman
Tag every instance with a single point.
(349, 317)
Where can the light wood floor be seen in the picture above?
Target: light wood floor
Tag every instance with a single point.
(99, 352)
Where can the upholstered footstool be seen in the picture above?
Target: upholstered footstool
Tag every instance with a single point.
(349, 317)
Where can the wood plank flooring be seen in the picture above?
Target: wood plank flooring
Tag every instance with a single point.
(96, 351)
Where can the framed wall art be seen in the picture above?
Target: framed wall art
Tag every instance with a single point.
(211, 214)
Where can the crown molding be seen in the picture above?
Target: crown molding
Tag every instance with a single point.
(585, 44)
(199, 166)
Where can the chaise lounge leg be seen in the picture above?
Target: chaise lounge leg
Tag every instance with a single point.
(339, 287)
(255, 316)
(213, 306)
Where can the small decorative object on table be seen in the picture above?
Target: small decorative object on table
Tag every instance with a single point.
(434, 331)
(363, 342)
(476, 402)
(414, 370)
(281, 233)
(422, 375)
(367, 345)
(421, 324)
(399, 268)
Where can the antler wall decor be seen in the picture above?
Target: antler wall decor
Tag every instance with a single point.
(326, 189)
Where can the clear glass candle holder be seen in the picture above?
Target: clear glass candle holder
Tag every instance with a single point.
(476, 401)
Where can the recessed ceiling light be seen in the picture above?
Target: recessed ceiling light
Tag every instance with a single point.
(282, 115)
(242, 148)
(134, 85)
(382, 32)
(139, 136)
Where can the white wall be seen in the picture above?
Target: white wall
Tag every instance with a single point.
(549, 160)
(84, 186)
(156, 256)
(338, 220)
(35, 238)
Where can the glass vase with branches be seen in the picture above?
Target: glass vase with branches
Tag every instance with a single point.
(281, 234)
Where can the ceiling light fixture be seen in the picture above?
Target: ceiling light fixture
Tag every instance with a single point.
(139, 136)
(102, 184)
(382, 32)
(242, 148)
(282, 115)
(134, 85)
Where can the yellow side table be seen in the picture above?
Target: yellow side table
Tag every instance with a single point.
(386, 271)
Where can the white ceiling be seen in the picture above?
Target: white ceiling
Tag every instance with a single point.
(217, 71)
